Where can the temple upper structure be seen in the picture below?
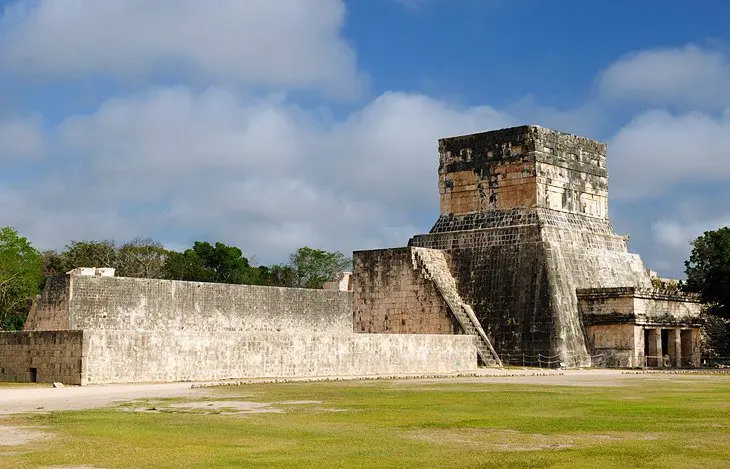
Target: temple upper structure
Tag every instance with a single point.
(523, 227)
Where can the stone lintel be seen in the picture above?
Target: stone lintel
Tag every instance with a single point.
(641, 320)
(592, 294)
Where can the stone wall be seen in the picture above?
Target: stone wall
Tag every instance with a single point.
(616, 345)
(129, 356)
(90, 302)
(527, 166)
(658, 309)
(50, 311)
(502, 274)
(392, 296)
(43, 357)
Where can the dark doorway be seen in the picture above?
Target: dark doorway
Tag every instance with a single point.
(34, 375)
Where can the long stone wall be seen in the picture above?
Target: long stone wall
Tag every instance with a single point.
(128, 356)
(119, 303)
(43, 357)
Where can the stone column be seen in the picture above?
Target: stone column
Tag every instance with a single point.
(653, 346)
(696, 348)
(659, 350)
(675, 347)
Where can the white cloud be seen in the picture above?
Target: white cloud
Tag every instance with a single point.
(674, 233)
(414, 4)
(659, 150)
(253, 42)
(21, 138)
(261, 174)
(689, 77)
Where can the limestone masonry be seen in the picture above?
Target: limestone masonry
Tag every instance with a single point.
(523, 262)
(524, 229)
(88, 329)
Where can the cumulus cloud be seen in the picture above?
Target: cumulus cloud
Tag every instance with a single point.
(673, 235)
(659, 150)
(253, 42)
(21, 138)
(259, 173)
(689, 77)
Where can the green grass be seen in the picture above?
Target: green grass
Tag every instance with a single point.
(662, 423)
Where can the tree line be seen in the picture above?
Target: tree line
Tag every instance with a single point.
(24, 270)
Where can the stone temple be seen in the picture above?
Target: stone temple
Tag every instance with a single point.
(522, 262)
(524, 251)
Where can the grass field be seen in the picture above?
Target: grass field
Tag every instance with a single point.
(649, 422)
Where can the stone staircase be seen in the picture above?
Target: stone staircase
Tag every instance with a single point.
(433, 266)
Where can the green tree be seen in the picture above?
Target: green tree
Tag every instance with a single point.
(708, 270)
(313, 267)
(279, 276)
(212, 263)
(20, 278)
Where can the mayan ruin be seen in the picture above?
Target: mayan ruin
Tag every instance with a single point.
(522, 262)
(525, 234)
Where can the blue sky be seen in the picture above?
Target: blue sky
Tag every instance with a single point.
(274, 124)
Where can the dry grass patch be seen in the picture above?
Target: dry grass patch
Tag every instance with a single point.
(11, 435)
(503, 439)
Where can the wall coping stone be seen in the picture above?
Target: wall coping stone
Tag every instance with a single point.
(637, 292)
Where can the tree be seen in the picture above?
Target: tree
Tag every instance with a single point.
(89, 254)
(20, 278)
(54, 263)
(279, 276)
(212, 263)
(708, 270)
(313, 267)
(143, 258)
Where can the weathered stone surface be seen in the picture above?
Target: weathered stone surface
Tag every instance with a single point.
(638, 306)
(619, 321)
(534, 228)
(527, 166)
(391, 296)
(100, 302)
(524, 222)
(412, 290)
(132, 356)
(132, 330)
(41, 356)
(50, 311)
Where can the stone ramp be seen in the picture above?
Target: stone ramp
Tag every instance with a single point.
(433, 266)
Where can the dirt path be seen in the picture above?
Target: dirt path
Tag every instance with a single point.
(37, 399)
(44, 399)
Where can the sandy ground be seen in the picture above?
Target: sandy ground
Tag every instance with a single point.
(42, 399)
(13, 436)
(45, 399)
